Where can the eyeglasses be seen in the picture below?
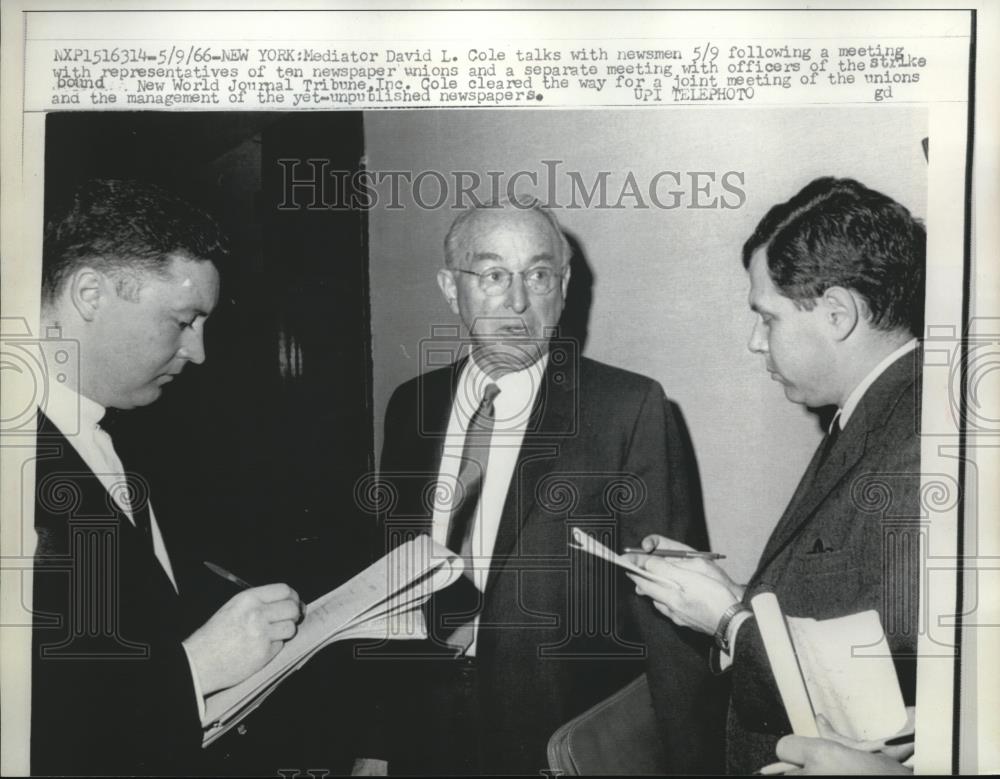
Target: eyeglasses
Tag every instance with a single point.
(496, 281)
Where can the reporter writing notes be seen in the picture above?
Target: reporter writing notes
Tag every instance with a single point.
(836, 280)
(118, 676)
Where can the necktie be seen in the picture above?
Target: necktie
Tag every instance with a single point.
(829, 440)
(460, 602)
(472, 471)
(137, 497)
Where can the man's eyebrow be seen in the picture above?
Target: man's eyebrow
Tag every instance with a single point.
(481, 256)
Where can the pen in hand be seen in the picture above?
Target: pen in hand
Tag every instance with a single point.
(218, 570)
(681, 554)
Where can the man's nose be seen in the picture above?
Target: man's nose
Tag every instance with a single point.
(193, 346)
(758, 339)
(516, 297)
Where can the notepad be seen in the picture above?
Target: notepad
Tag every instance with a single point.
(587, 543)
(819, 670)
(383, 601)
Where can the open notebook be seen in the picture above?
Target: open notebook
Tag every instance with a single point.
(841, 668)
(383, 601)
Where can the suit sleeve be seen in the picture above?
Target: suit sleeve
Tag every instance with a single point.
(876, 508)
(111, 701)
(689, 700)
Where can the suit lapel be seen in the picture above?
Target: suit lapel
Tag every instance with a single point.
(133, 543)
(550, 423)
(438, 397)
(426, 427)
(817, 482)
(820, 480)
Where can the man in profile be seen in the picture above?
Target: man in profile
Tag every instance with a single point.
(516, 442)
(119, 675)
(837, 283)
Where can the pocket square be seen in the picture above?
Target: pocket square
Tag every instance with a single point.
(819, 547)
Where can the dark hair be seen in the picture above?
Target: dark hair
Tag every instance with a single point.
(837, 232)
(126, 229)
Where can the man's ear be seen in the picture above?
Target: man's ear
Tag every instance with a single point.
(87, 290)
(565, 280)
(446, 281)
(841, 310)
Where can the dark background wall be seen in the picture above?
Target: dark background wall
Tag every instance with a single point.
(257, 448)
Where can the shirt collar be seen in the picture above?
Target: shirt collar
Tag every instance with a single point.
(844, 414)
(518, 389)
(72, 412)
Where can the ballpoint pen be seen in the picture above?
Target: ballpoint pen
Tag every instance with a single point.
(218, 570)
(680, 554)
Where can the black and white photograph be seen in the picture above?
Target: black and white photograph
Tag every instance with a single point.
(497, 440)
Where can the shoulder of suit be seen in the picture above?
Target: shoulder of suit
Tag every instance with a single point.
(429, 380)
(894, 398)
(590, 374)
(596, 373)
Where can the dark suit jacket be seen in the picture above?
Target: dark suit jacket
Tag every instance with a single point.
(559, 630)
(847, 542)
(111, 686)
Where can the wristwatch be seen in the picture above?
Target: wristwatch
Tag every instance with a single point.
(721, 632)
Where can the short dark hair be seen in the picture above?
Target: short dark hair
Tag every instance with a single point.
(837, 232)
(127, 229)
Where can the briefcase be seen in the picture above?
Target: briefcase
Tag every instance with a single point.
(618, 736)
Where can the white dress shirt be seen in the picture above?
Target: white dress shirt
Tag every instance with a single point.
(512, 410)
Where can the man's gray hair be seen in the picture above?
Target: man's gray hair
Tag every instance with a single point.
(456, 241)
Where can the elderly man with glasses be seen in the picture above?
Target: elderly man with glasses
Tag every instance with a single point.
(499, 455)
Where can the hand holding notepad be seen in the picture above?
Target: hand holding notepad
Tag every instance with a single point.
(383, 601)
(693, 593)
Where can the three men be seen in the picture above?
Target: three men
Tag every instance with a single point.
(119, 669)
(837, 282)
(499, 455)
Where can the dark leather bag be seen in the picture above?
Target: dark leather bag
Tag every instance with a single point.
(618, 736)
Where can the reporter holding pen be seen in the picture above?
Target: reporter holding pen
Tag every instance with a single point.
(119, 673)
(837, 283)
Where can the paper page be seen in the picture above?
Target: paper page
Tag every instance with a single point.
(859, 695)
(406, 625)
(415, 593)
(784, 664)
(343, 608)
(591, 545)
